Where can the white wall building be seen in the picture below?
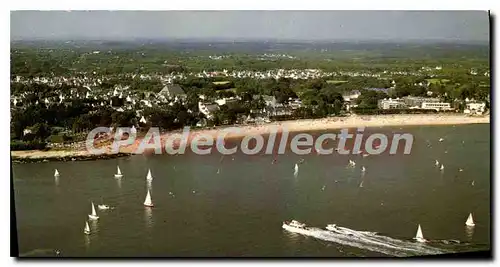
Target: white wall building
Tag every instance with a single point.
(475, 108)
(391, 103)
(437, 106)
(207, 109)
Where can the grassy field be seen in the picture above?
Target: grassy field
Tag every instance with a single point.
(437, 81)
(335, 81)
(229, 89)
(221, 82)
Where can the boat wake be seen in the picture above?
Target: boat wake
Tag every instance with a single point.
(370, 241)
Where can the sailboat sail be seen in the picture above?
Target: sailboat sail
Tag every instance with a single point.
(419, 236)
(148, 202)
(149, 177)
(56, 173)
(470, 221)
(118, 172)
(93, 210)
(87, 228)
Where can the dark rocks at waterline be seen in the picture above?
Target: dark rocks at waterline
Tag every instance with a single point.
(69, 158)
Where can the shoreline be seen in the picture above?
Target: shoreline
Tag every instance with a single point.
(332, 123)
(305, 125)
(33, 156)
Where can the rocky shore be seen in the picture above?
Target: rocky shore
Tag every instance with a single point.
(31, 156)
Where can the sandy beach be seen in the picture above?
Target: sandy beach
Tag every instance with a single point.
(326, 124)
(292, 126)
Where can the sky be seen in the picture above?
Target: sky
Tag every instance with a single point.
(252, 25)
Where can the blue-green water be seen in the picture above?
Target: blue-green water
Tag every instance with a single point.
(239, 211)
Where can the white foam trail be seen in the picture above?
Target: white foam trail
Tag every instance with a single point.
(371, 241)
(385, 241)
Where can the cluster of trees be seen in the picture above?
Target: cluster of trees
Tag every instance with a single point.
(320, 97)
(59, 59)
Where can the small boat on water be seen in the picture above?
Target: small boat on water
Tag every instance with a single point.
(86, 230)
(103, 207)
(93, 216)
(363, 169)
(149, 177)
(295, 226)
(148, 202)
(437, 162)
(442, 167)
(441, 139)
(352, 163)
(332, 227)
(472, 183)
(118, 172)
(56, 173)
(296, 170)
(470, 221)
(419, 236)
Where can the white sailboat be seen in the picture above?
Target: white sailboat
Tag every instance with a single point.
(419, 236)
(470, 221)
(118, 172)
(93, 216)
(148, 202)
(296, 170)
(149, 177)
(442, 167)
(437, 162)
(363, 169)
(472, 183)
(86, 230)
(56, 173)
(352, 163)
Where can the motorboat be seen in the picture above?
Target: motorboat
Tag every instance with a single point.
(103, 207)
(295, 226)
(332, 227)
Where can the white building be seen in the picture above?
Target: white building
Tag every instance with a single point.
(475, 108)
(352, 95)
(391, 103)
(437, 106)
(225, 101)
(207, 109)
